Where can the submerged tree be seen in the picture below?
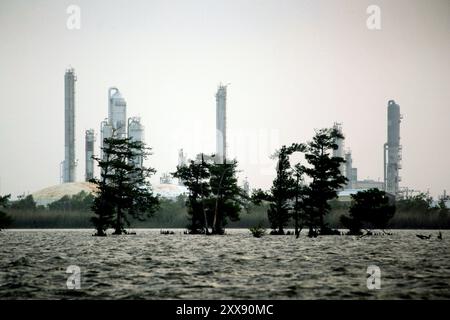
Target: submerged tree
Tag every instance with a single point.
(282, 192)
(325, 175)
(214, 195)
(5, 219)
(370, 209)
(195, 177)
(124, 188)
(299, 206)
(228, 198)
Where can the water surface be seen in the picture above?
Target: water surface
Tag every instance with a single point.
(149, 265)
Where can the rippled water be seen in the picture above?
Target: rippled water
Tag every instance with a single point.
(149, 265)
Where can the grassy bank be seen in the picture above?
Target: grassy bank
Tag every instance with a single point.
(172, 214)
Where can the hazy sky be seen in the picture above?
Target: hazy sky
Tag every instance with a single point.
(293, 66)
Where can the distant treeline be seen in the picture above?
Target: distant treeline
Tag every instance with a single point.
(75, 212)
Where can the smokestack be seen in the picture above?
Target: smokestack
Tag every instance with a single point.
(392, 149)
(69, 164)
(339, 152)
(221, 123)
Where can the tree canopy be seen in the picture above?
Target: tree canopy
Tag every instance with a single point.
(370, 209)
(124, 189)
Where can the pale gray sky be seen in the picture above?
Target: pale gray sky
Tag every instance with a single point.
(293, 66)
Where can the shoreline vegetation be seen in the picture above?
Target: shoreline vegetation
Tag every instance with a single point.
(303, 196)
(173, 214)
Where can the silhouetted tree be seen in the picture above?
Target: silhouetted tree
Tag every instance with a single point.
(300, 191)
(443, 210)
(326, 177)
(228, 197)
(420, 203)
(282, 192)
(5, 219)
(24, 203)
(195, 177)
(370, 209)
(81, 201)
(124, 188)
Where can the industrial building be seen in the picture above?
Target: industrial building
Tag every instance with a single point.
(392, 149)
(351, 173)
(89, 153)
(391, 158)
(117, 125)
(339, 152)
(117, 112)
(221, 124)
(136, 134)
(69, 163)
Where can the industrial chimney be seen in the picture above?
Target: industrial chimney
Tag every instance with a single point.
(69, 164)
(392, 149)
(221, 123)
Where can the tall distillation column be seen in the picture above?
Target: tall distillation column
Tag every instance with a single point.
(392, 149)
(136, 134)
(117, 113)
(69, 164)
(89, 152)
(221, 123)
(339, 152)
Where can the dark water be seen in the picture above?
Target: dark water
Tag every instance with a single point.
(148, 265)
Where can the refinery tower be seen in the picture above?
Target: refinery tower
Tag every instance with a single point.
(392, 149)
(89, 153)
(117, 125)
(221, 124)
(69, 164)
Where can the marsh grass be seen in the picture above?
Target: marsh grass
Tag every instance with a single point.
(173, 214)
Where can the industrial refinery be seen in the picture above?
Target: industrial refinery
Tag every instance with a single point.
(391, 157)
(115, 125)
(118, 125)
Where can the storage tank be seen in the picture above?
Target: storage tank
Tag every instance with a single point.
(117, 112)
